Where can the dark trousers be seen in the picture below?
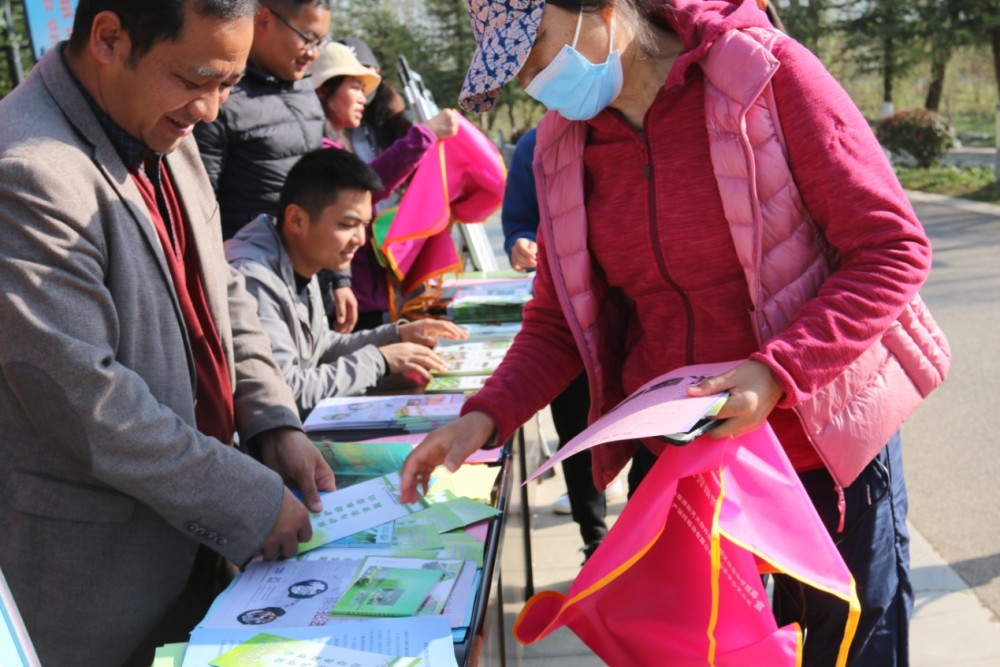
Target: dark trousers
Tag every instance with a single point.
(875, 545)
(589, 506)
(210, 575)
(370, 320)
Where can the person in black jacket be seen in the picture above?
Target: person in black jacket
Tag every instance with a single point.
(272, 117)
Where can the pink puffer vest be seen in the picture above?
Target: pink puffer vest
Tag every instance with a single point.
(849, 420)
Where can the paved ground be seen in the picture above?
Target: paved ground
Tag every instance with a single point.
(971, 157)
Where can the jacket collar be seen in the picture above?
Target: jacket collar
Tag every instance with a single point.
(131, 151)
(260, 241)
(257, 73)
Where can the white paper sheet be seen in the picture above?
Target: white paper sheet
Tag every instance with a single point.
(356, 508)
(413, 636)
(282, 594)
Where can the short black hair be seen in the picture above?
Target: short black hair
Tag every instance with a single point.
(296, 5)
(152, 21)
(318, 177)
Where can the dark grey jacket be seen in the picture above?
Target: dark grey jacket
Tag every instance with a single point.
(316, 361)
(262, 130)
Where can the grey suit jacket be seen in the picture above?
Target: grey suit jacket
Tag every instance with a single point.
(106, 486)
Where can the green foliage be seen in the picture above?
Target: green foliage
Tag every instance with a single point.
(975, 129)
(18, 38)
(921, 134)
(436, 38)
(883, 36)
(977, 183)
(450, 46)
(808, 21)
(382, 26)
(899, 50)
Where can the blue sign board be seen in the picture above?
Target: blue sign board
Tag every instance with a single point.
(49, 22)
(16, 649)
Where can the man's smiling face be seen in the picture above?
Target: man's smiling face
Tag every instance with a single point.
(160, 97)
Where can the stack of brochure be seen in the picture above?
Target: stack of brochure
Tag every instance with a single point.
(488, 300)
(504, 331)
(419, 641)
(448, 384)
(487, 308)
(476, 358)
(355, 462)
(471, 361)
(469, 364)
(415, 414)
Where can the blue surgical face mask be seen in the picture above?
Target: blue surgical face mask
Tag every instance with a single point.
(575, 87)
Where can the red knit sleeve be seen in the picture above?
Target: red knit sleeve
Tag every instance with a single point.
(540, 364)
(851, 191)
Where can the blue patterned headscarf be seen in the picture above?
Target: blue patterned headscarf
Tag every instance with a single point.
(505, 32)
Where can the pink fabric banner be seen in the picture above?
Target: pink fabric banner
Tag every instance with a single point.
(677, 580)
(462, 179)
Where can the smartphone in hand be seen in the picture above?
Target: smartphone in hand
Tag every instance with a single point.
(701, 427)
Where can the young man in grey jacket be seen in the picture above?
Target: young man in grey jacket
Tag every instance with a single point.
(324, 208)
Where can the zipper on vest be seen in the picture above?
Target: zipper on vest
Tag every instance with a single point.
(661, 262)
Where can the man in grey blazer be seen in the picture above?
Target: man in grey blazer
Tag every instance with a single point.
(129, 350)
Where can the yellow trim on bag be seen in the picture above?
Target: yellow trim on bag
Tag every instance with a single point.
(853, 604)
(524, 611)
(853, 618)
(587, 592)
(615, 573)
(713, 619)
(798, 645)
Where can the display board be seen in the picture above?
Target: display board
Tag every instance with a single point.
(15, 646)
(49, 22)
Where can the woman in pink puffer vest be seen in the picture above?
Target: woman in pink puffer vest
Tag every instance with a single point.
(722, 199)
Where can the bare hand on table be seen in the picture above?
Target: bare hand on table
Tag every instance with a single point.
(290, 453)
(291, 527)
(412, 359)
(428, 332)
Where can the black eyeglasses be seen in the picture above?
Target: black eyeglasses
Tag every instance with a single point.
(310, 43)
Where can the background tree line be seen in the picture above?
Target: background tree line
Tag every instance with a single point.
(891, 42)
(894, 37)
(916, 42)
(14, 44)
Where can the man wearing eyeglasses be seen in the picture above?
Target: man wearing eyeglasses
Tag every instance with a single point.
(272, 117)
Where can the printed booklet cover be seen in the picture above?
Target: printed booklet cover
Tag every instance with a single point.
(387, 591)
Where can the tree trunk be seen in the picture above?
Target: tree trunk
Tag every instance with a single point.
(888, 70)
(995, 35)
(939, 63)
